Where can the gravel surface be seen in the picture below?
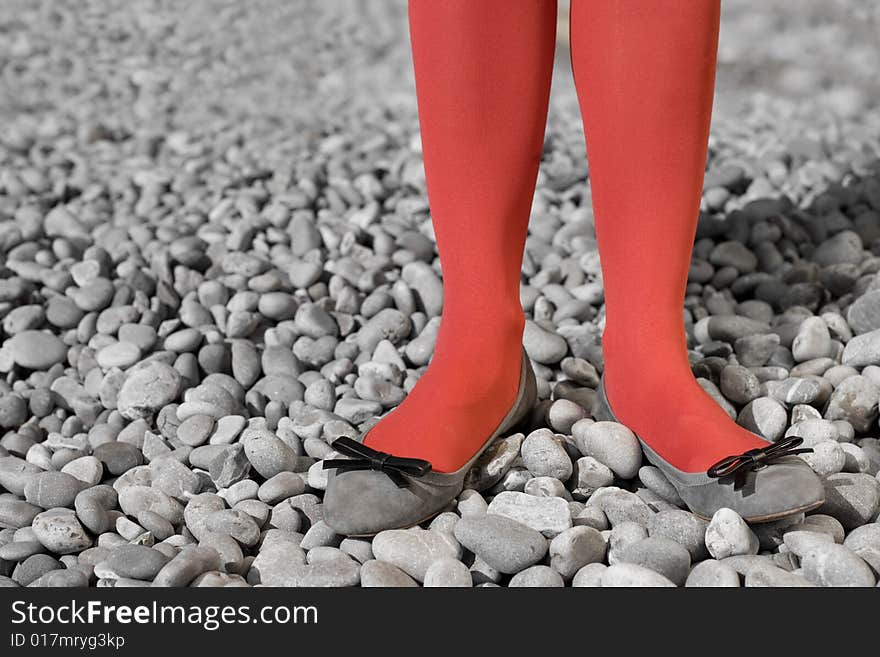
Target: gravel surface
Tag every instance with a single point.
(216, 257)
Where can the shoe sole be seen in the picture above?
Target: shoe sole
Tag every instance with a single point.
(757, 520)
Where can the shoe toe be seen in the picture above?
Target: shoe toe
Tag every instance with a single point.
(783, 488)
(365, 502)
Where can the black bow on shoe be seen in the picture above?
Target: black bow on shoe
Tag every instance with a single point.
(367, 458)
(757, 458)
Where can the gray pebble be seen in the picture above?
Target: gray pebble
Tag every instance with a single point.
(448, 573)
(494, 462)
(633, 575)
(543, 346)
(654, 479)
(863, 350)
(36, 350)
(575, 548)
(548, 515)
(376, 573)
(621, 506)
(712, 573)
(764, 416)
(544, 455)
(60, 531)
(851, 498)
(684, 528)
(589, 576)
(133, 561)
(836, 565)
(52, 489)
(612, 444)
(188, 564)
(413, 550)
(728, 535)
(812, 340)
(537, 577)
(855, 400)
(148, 386)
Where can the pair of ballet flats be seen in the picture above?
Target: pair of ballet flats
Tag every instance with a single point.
(369, 491)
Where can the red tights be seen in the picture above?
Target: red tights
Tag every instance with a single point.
(645, 73)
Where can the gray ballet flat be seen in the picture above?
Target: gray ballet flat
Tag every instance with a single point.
(761, 485)
(372, 491)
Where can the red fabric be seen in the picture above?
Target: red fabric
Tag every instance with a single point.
(645, 74)
(482, 71)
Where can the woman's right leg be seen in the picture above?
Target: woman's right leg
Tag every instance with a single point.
(482, 71)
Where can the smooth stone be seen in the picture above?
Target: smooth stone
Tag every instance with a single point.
(633, 575)
(544, 455)
(269, 455)
(280, 487)
(775, 578)
(413, 550)
(712, 573)
(196, 430)
(813, 340)
(575, 548)
(36, 350)
(863, 315)
(548, 515)
(86, 469)
(764, 416)
(276, 563)
(52, 489)
(589, 576)
(62, 578)
(148, 386)
(134, 561)
(836, 565)
(543, 346)
(855, 400)
(851, 498)
(612, 444)
(15, 473)
(134, 499)
(589, 476)
(118, 458)
(684, 528)
(537, 577)
(60, 532)
(189, 563)
(118, 354)
(376, 573)
(503, 543)
(862, 350)
(728, 535)
(173, 478)
(802, 542)
(448, 573)
(826, 458)
(621, 506)
(739, 385)
(236, 523)
(32, 568)
(661, 555)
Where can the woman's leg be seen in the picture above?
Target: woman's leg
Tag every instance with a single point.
(482, 71)
(645, 74)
